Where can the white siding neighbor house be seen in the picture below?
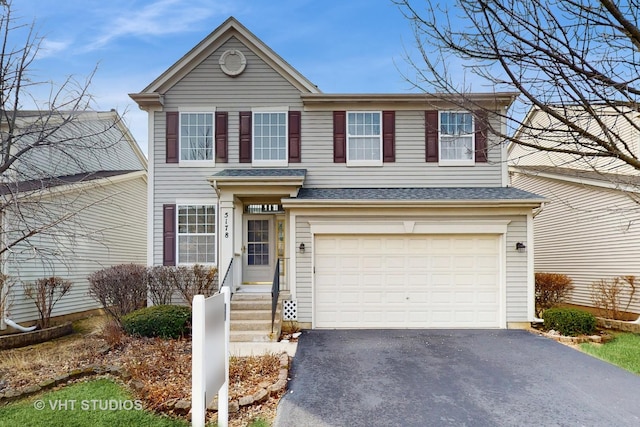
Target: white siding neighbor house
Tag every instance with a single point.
(590, 227)
(379, 210)
(81, 207)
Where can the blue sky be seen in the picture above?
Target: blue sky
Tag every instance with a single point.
(341, 46)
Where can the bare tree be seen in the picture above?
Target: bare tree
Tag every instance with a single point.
(45, 146)
(576, 61)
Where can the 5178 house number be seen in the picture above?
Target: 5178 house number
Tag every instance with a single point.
(226, 225)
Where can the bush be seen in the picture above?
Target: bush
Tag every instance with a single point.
(160, 280)
(569, 321)
(164, 321)
(551, 290)
(45, 293)
(196, 280)
(609, 296)
(120, 289)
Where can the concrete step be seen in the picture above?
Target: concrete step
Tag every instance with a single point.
(250, 305)
(252, 336)
(251, 314)
(252, 325)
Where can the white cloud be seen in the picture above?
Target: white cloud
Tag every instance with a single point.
(51, 48)
(158, 18)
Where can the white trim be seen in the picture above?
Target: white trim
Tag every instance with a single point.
(150, 185)
(293, 270)
(281, 109)
(361, 163)
(197, 163)
(216, 235)
(502, 293)
(196, 109)
(360, 226)
(457, 162)
(504, 158)
(270, 162)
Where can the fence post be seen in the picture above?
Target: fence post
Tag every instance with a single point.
(223, 393)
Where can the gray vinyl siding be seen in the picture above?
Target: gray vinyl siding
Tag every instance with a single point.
(588, 233)
(110, 231)
(516, 270)
(516, 282)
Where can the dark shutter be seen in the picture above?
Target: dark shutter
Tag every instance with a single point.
(221, 137)
(294, 136)
(245, 137)
(389, 136)
(169, 234)
(172, 136)
(339, 137)
(431, 135)
(481, 130)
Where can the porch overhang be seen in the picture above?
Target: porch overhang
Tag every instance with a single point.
(259, 182)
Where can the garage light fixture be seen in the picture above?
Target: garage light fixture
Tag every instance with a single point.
(520, 247)
(301, 248)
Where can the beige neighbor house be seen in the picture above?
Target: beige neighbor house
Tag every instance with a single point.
(590, 229)
(381, 210)
(86, 197)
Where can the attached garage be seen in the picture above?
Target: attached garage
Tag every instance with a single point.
(407, 281)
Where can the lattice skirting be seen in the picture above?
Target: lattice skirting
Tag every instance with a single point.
(289, 310)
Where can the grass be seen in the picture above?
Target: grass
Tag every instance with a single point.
(80, 400)
(622, 351)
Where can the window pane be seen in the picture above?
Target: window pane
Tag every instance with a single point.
(456, 136)
(196, 136)
(364, 139)
(196, 234)
(269, 136)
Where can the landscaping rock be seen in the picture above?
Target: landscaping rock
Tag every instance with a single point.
(279, 385)
(182, 407)
(284, 360)
(245, 401)
(261, 396)
(283, 374)
(213, 406)
(31, 389)
(234, 406)
(61, 379)
(47, 384)
(136, 384)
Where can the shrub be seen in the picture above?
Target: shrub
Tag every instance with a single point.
(551, 290)
(608, 295)
(164, 321)
(45, 293)
(120, 289)
(112, 333)
(569, 321)
(161, 284)
(195, 280)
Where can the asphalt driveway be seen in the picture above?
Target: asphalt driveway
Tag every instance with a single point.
(452, 377)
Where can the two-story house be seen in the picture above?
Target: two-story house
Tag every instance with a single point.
(386, 210)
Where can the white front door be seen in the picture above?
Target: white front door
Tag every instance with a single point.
(258, 250)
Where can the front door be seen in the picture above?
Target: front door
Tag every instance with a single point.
(258, 247)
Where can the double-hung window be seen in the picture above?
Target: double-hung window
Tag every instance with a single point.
(270, 138)
(196, 137)
(196, 234)
(364, 138)
(457, 138)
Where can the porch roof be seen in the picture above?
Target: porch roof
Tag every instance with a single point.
(429, 195)
(260, 181)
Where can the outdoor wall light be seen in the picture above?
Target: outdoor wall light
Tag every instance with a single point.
(301, 248)
(520, 247)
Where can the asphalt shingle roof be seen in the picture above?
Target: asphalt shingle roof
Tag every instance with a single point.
(455, 193)
(266, 172)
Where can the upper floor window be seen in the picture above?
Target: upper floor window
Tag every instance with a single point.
(364, 138)
(196, 137)
(456, 137)
(196, 234)
(270, 138)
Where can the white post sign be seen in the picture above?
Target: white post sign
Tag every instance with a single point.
(210, 356)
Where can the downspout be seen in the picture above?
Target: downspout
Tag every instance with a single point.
(18, 327)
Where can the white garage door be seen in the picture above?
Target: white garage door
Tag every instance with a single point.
(389, 281)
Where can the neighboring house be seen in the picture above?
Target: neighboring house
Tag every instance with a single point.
(81, 202)
(590, 229)
(387, 210)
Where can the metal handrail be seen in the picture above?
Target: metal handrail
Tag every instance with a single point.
(275, 293)
(228, 277)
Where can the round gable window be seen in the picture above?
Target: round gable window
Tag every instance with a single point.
(232, 62)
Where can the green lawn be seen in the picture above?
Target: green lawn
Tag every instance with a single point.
(95, 403)
(622, 351)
